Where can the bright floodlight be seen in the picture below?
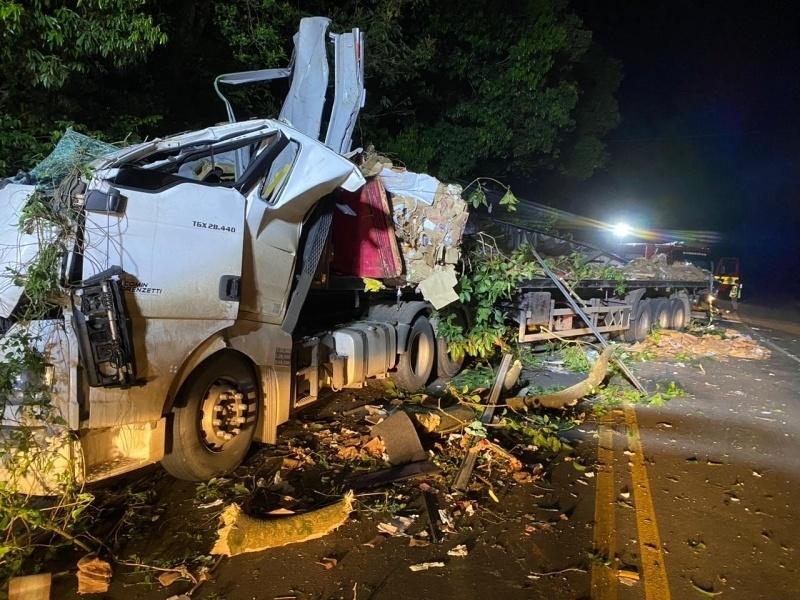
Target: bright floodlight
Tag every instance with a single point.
(621, 230)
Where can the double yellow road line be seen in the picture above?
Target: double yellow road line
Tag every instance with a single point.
(654, 573)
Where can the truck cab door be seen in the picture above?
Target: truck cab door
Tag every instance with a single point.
(178, 242)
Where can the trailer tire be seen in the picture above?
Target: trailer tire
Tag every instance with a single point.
(677, 314)
(661, 313)
(641, 323)
(415, 365)
(200, 449)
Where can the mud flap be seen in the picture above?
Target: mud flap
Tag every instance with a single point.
(104, 331)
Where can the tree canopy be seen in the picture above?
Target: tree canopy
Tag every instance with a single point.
(458, 89)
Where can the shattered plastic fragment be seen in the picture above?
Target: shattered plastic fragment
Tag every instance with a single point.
(242, 533)
(568, 396)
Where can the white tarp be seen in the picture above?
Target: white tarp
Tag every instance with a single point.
(415, 185)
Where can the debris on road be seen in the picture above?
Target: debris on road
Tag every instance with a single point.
(94, 575)
(400, 439)
(397, 527)
(31, 587)
(426, 565)
(327, 562)
(569, 396)
(674, 344)
(242, 533)
(167, 578)
(627, 576)
(458, 551)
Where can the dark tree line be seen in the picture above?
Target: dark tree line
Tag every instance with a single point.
(459, 89)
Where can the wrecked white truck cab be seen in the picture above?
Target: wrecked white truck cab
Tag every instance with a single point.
(188, 330)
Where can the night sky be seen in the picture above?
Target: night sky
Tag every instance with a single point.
(710, 137)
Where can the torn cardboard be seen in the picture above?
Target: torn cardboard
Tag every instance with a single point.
(30, 587)
(439, 288)
(94, 575)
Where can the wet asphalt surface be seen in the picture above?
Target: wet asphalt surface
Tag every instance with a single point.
(723, 470)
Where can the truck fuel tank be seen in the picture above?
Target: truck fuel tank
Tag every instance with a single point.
(369, 349)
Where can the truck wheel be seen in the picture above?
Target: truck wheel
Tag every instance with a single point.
(214, 419)
(641, 323)
(416, 363)
(447, 366)
(677, 314)
(661, 313)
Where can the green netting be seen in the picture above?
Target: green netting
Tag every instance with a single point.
(73, 149)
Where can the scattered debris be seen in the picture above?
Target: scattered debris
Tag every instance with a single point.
(400, 439)
(327, 563)
(558, 572)
(397, 527)
(94, 575)
(627, 576)
(671, 344)
(444, 420)
(707, 592)
(31, 587)
(167, 578)
(241, 533)
(426, 565)
(458, 551)
(569, 396)
(512, 377)
(468, 464)
(384, 477)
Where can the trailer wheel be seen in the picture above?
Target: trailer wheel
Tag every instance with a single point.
(677, 315)
(214, 419)
(661, 313)
(640, 323)
(416, 363)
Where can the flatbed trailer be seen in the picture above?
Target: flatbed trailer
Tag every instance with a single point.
(630, 308)
(542, 314)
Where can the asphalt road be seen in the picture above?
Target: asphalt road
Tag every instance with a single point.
(723, 470)
(697, 498)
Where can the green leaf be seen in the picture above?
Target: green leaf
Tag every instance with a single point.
(477, 197)
(509, 200)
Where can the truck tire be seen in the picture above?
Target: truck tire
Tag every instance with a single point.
(416, 363)
(641, 323)
(661, 313)
(448, 367)
(214, 419)
(677, 314)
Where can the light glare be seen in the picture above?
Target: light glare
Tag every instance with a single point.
(621, 230)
